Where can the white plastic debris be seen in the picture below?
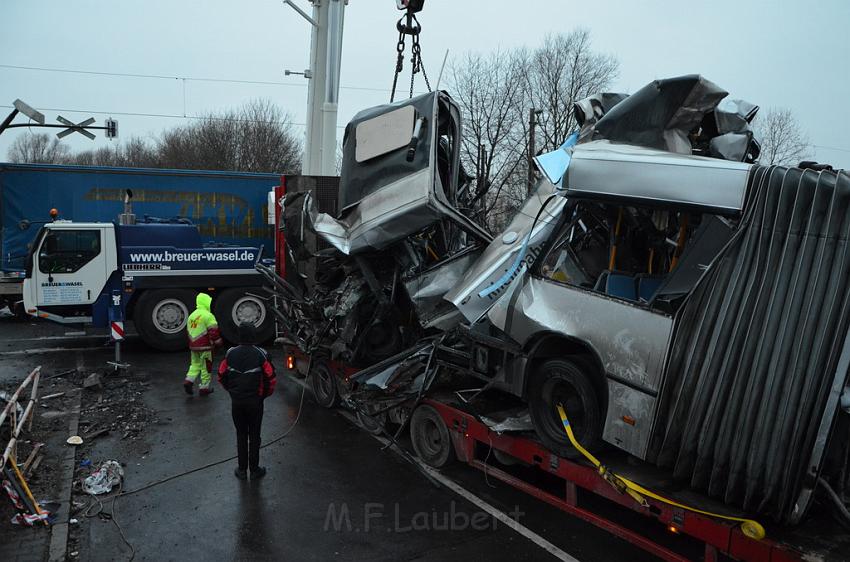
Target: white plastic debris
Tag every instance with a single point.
(104, 479)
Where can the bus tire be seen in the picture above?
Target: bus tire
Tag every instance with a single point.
(567, 382)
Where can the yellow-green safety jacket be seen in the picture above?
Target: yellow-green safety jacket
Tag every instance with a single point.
(202, 326)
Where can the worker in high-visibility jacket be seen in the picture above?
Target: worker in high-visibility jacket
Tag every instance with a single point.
(203, 337)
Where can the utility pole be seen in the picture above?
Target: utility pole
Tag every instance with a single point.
(323, 89)
(532, 148)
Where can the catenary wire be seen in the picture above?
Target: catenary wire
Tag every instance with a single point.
(188, 78)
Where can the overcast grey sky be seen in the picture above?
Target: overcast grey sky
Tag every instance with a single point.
(793, 54)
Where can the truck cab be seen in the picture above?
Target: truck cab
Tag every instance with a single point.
(67, 270)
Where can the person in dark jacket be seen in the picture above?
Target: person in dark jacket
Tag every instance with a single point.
(248, 375)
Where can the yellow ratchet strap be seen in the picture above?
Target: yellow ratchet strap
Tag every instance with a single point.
(749, 527)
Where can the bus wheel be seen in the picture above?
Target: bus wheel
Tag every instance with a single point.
(565, 382)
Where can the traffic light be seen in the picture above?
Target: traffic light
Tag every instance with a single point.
(111, 128)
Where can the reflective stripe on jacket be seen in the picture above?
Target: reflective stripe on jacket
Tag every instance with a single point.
(247, 373)
(202, 327)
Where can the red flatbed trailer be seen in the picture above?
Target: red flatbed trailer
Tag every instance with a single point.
(575, 487)
(719, 537)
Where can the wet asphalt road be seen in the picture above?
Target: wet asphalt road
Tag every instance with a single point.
(331, 491)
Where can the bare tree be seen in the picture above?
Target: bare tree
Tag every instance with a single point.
(495, 93)
(487, 87)
(37, 148)
(562, 71)
(256, 137)
(134, 153)
(781, 137)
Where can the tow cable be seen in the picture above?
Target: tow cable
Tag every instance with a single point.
(751, 528)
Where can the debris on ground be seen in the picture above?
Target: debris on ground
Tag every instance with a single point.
(104, 478)
(92, 380)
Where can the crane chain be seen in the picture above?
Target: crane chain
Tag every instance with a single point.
(409, 25)
(399, 63)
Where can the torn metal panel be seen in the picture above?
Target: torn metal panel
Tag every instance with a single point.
(624, 174)
(510, 255)
(731, 146)
(513, 420)
(554, 164)
(734, 116)
(382, 218)
(395, 380)
(591, 109)
(426, 289)
(661, 115)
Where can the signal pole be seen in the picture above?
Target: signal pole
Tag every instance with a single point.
(323, 89)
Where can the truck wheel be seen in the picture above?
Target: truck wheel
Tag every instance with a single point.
(324, 384)
(234, 306)
(160, 317)
(430, 437)
(566, 382)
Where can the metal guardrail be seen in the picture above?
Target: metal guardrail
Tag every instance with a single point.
(33, 378)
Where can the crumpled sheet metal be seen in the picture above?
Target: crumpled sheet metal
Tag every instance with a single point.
(509, 255)
(426, 290)
(661, 114)
(509, 421)
(593, 108)
(554, 164)
(397, 378)
(381, 218)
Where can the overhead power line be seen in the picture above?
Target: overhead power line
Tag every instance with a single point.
(831, 148)
(187, 78)
(165, 115)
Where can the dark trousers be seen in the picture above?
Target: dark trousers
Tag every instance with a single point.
(248, 417)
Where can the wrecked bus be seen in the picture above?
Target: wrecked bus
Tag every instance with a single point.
(683, 303)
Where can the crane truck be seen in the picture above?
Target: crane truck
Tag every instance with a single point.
(152, 270)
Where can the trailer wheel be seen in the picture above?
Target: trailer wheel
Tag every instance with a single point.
(160, 318)
(374, 424)
(234, 306)
(562, 381)
(430, 437)
(324, 384)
